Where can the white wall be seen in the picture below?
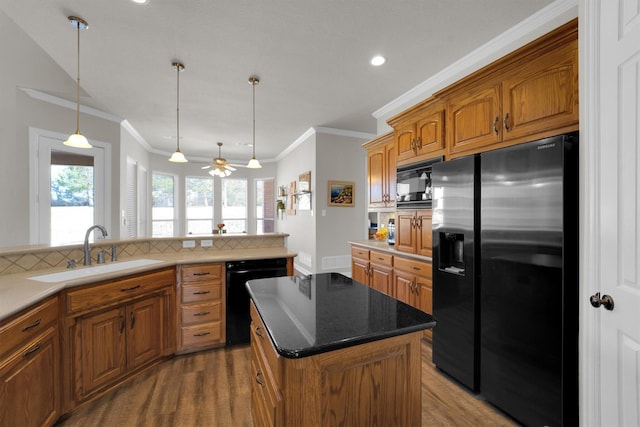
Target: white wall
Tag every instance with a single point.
(29, 67)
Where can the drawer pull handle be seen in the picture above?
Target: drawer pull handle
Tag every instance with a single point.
(33, 325)
(202, 334)
(380, 259)
(413, 267)
(202, 292)
(258, 333)
(202, 313)
(202, 274)
(130, 289)
(31, 350)
(258, 380)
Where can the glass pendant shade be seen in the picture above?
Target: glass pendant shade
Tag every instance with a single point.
(254, 164)
(178, 157)
(77, 140)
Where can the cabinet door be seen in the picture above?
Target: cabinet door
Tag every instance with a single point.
(423, 230)
(430, 133)
(144, 331)
(103, 349)
(390, 174)
(405, 231)
(403, 286)
(377, 167)
(542, 95)
(360, 270)
(29, 384)
(474, 120)
(424, 298)
(381, 278)
(404, 137)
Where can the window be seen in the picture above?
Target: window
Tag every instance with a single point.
(162, 202)
(265, 206)
(234, 205)
(199, 197)
(68, 189)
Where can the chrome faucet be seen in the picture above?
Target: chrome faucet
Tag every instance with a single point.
(87, 250)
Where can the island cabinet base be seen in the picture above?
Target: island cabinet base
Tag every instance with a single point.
(376, 383)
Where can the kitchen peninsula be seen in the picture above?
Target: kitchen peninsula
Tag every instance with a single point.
(329, 350)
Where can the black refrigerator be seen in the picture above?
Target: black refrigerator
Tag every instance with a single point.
(505, 292)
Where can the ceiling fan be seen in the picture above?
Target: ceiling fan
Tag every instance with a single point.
(220, 166)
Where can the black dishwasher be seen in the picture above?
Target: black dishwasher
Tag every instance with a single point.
(238, 273)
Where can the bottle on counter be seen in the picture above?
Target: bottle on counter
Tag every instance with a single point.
(391, 237)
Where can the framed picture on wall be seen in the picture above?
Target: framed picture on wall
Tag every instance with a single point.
(341, 193)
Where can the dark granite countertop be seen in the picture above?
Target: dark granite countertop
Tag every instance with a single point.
(328, 311)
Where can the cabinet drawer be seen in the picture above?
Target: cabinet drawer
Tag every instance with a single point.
(201, 313)
(266, 396)
(28, 325)
(421, 268)
(201, 272)
(201, 335)
(359, 253)
(260, 337)
(201, 292)
(381, 258)
(108, 293)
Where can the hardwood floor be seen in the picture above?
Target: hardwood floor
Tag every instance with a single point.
(213, 388)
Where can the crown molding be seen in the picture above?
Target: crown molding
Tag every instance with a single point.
(536, 25)
(61, 102)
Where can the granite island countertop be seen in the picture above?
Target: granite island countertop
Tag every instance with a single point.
(328, 311)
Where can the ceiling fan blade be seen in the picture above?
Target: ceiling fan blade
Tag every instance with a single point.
(206, 167)
(230, 168)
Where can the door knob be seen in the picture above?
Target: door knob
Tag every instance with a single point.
(606, 301)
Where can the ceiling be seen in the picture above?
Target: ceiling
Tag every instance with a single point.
(312, 58)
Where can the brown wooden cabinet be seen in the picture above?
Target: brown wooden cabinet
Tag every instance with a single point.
(413, 284)
(413, 231)
(29, 367)
(116, 328)
(529, 94)
(419, 133)
(381, 172)
(201, 307)
(319, 390)
(372, 268)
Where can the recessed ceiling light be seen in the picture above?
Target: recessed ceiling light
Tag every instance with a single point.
(378, 60)
(140, 1)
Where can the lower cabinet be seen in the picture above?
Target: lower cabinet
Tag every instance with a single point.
(320, 390)
(413, 285)
(115, 329)
(29, 367)
(373, 268)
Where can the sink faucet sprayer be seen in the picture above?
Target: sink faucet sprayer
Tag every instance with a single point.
(87, 250)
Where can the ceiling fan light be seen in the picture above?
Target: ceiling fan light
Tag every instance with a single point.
(178, 157)
(77, 140)
(254, 164)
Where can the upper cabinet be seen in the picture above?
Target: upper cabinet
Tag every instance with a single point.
(529, 94)
(381, 172)
(419, 133)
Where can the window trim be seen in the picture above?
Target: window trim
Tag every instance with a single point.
(186, 197)
(176, 214)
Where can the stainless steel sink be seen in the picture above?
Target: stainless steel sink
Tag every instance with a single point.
(91, 271)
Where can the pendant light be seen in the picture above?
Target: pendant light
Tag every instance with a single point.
(254, 163)
(178, 157)
(77, 139)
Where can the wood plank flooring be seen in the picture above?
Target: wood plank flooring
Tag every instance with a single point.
(213, 388)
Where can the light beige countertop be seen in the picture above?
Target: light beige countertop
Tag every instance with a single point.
(383, 246)
(18, 291)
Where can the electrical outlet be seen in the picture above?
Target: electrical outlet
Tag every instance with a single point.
(188, 244)
(206, 243)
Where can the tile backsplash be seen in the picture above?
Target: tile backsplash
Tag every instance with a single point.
(24, 260)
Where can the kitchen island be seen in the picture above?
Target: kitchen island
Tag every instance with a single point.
(327, 350)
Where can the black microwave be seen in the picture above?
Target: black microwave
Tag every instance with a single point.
(413, 185)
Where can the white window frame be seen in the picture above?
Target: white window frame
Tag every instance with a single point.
(175, 219)
(41, 142)
(246, 205)
(255, 202)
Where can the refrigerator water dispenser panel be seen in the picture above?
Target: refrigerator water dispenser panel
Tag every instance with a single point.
(451, 259)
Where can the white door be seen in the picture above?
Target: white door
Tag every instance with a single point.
(611, 225)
